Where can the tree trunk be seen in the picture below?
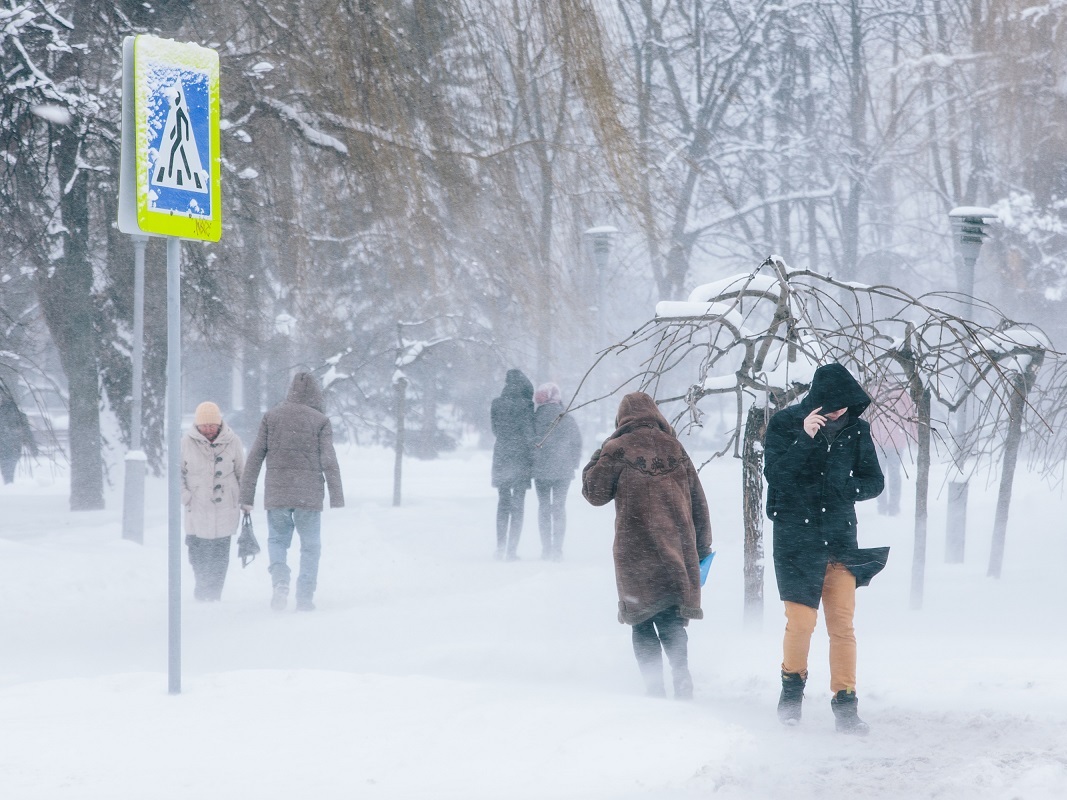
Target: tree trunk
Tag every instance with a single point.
(1021, 385)
(752, 502)
(428, 432)
(401, 387)
(67, 300)
(921, 399)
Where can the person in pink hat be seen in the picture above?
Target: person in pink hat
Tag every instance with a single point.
(213, 460)
(557, 453)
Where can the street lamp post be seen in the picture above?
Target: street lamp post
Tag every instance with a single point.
(600, 237)
(969, 226)
(284, 327)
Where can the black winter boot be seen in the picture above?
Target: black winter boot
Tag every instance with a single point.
(792, 696)
(846, 708)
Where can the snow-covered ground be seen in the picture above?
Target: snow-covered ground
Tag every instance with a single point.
(432, 671)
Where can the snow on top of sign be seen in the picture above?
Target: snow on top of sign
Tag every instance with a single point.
(163, 50)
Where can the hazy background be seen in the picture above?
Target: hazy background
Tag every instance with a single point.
(412, 182)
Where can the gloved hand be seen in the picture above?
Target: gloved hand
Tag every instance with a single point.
(246, 509)
(189, 540)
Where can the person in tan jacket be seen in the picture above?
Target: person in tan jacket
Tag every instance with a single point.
(213, 460)
(295, 440)
(662, 531)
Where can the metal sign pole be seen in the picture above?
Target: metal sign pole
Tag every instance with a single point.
(174, 436)
(171, 185)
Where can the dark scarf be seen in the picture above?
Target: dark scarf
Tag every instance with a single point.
(834, 426)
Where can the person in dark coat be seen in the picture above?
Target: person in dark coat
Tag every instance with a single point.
(15, 435)
(662, 531)
(819, 462)
(556, 455)
(295, 440)
(511, 416)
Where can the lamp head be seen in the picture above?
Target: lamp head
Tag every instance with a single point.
(970, 226)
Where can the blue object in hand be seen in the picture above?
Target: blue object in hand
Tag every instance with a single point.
(705, 566)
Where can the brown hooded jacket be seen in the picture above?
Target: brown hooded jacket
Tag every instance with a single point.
(662, 525)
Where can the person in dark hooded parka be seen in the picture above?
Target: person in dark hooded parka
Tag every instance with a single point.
(512, 419)
(295, 440)
(819, 462)
(662, 531)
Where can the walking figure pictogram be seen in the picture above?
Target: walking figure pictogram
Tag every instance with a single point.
(179, 143)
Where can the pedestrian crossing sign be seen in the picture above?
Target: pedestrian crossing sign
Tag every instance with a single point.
(176, 125)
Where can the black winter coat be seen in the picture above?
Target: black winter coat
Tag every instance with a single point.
(813, 485)
(512, 416)
(556, 457)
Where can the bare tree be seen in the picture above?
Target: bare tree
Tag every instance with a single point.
(758, 338)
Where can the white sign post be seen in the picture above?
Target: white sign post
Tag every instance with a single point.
(170, 186)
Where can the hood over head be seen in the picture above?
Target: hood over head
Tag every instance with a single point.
(638, 408)
(305, 390)
(516, 384)
(832, 388)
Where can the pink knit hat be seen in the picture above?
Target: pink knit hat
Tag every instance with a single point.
(547, 393)
(207, 413)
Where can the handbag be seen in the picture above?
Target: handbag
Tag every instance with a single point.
(247, 546)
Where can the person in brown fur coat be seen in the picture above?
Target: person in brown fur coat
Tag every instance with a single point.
(662, 531)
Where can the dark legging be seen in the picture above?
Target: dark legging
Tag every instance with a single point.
(552, 515)
(509, 508)
(210, 559)
(665, 629)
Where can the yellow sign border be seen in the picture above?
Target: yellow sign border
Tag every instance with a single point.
(151, 50)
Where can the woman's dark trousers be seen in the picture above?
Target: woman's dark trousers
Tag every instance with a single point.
(552, 516)
(665, 631)
(509, 512)
(210, 559)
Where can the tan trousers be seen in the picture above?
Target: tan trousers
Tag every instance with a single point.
(839, 606)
